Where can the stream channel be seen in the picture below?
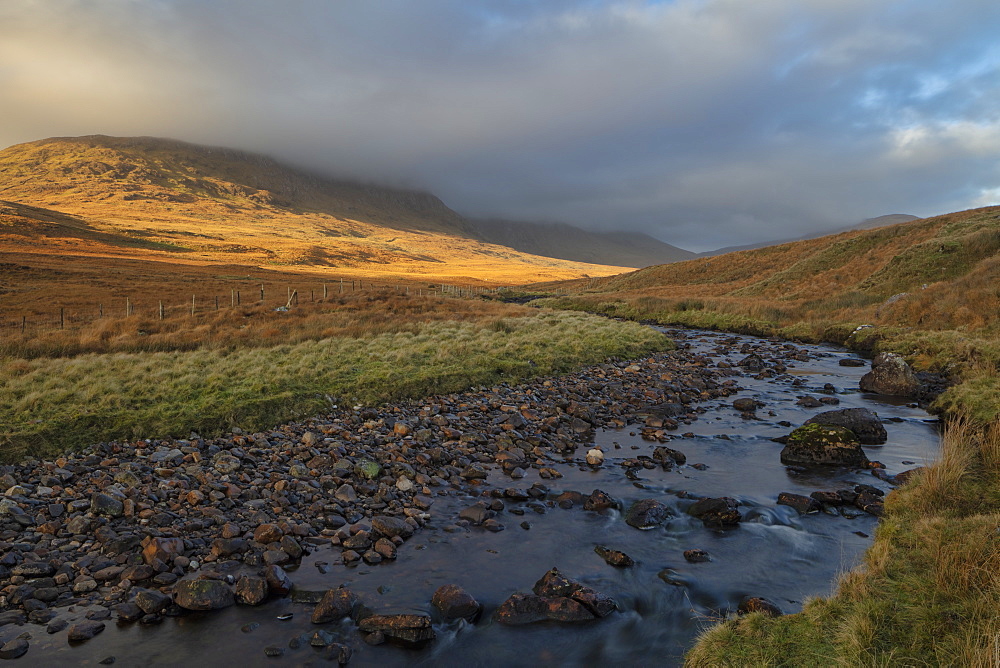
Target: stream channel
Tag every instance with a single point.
(774, 553)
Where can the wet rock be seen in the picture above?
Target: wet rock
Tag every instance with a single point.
(716, 512)
(405, 630)
(803, 504)
(809, 401)
(862, 422)
(390, 527)
(278, 582)
(614, 557)
(453, 602)
(555, 584)
(273, 651)
(746, 405)
(56, 625)
(335, 604)
(851, 361)
(667, 457)
(151, 601)
(203, 594)
(870, 502)
(599, 500)
(753, 362)
(828, 498)
(759, 604)
(646, 514)
(251, 590)
(476, 514)
(129, 611)
(697, 556)
(522, 609)
(890, 375)
(84, 631)
(14, 649)
(816, 444)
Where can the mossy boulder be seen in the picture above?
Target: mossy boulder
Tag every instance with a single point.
(826, 445)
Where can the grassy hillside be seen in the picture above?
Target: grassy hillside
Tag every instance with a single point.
(930, 289)
(198, 204)
(929, 589)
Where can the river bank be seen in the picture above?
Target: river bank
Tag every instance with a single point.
(483, 489)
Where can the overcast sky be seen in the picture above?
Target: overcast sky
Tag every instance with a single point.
(706, 123)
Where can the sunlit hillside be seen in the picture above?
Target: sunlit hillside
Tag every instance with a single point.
(937, 273)
(161, 199)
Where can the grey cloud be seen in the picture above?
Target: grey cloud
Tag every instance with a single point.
(703, 122)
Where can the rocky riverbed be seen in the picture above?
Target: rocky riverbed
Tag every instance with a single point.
(433, 526)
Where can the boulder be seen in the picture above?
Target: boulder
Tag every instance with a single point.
(716, 512)
(251, 590)
(335, 604)
(203, 594)
(863, 423)
(816, 444)
(455, 603)
(646, 514)
(890, 375)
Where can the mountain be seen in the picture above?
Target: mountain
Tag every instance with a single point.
(559, 240)
(198, 204)
(867, 224)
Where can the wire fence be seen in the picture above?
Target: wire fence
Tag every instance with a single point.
(204, 303)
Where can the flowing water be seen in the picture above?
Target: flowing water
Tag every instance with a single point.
(774, 552)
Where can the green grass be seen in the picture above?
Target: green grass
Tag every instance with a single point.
(51, 405)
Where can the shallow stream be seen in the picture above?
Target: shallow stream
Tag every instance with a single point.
(774, 552)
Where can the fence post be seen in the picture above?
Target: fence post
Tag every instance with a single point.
(232, 297)
(192, 304)
(24, 322)
(237, 297)
(100, 310)
(216, 302)
(161, 309)
(128, 307)
(262, 292)
(324, 291)
(62, 317)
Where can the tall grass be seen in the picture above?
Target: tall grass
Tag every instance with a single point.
(49, 405)
(928, 592)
